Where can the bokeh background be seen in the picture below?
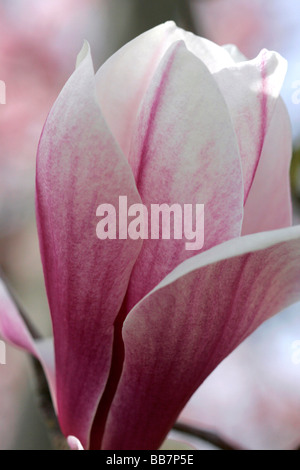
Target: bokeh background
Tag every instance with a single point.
(253, 398)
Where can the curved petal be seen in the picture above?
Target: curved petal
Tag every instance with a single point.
(134, 65)
(235, 53)
(79, 167)
(184, 151)
(197, 315)
(251, 90)
(74, 443)
(14, 330)
(268, 205)
(215, 57)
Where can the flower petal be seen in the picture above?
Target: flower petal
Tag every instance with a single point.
(186, 326)
(251, 90)
(134, 64)
(268, 205)
(14, 330)
(235, 53)
(74, 443)
(79, 167)
(184, 151)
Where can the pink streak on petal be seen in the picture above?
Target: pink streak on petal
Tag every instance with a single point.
(120, 103)
(161, 91)
(268, 206)
(264, 102)
(185, 327)
(251, 90)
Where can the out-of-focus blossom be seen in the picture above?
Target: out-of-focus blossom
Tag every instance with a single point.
(139, 324)
(36, 38)
(252, 25)
(238, 22)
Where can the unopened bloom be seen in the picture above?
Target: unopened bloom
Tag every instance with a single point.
(139, 324)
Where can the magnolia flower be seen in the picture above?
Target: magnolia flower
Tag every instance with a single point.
(139, 324)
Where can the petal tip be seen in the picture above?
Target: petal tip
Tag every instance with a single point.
(84, 52)
(74, 443)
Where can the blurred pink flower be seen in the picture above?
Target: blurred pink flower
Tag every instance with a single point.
(238, 22)
(36, 37)
(139, 324)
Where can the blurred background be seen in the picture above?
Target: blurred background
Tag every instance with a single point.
(253, 397)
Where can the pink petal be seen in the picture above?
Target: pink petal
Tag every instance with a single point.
(184, 151)
(14, 330)
(133, 65)
(269, 201)
(251, 90)
(215, 57)
(79, 167)
(268, 205)
(234, 52)
(183, 329)
(74, 443)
